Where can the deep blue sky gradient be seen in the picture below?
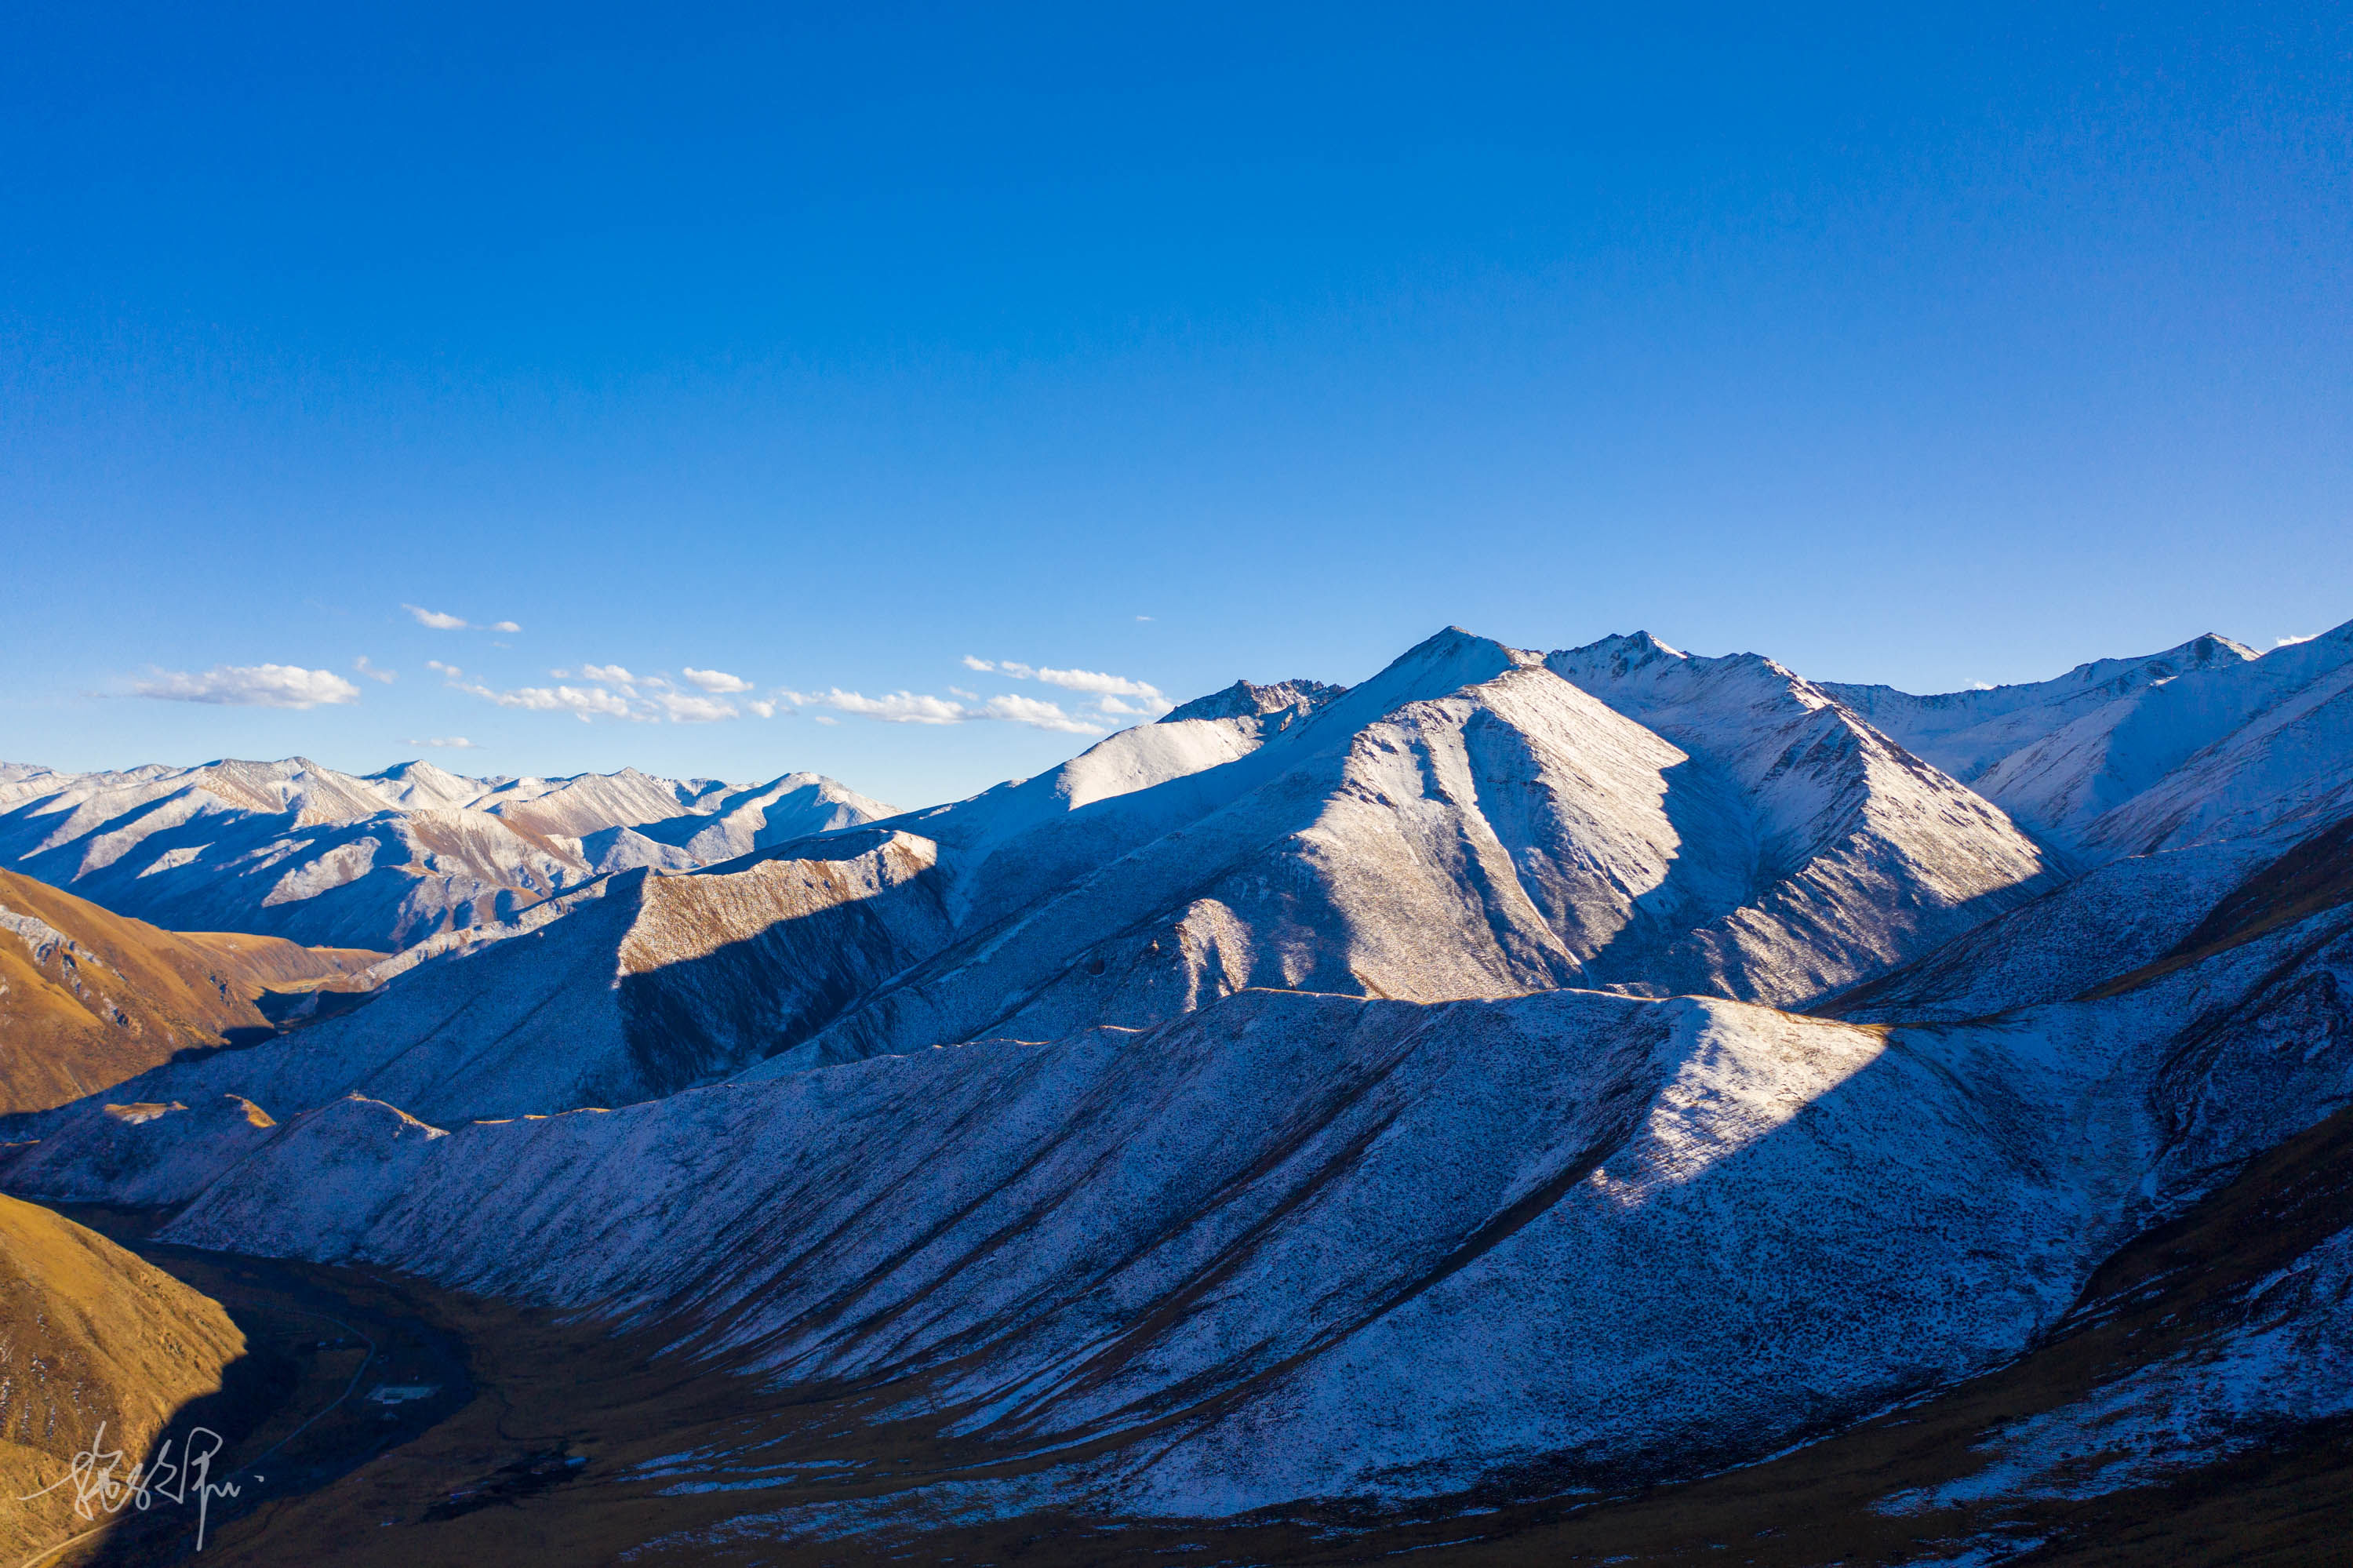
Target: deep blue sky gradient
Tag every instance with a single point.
(825, 346)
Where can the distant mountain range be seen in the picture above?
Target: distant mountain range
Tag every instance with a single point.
(292, 849)
(1516, 1074)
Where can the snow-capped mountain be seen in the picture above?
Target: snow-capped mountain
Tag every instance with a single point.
(2099, 760)
(1515, 1076)
(1466, 823)
(1965, 732)
(295, 850)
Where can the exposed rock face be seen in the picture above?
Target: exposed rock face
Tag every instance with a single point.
(295, 850)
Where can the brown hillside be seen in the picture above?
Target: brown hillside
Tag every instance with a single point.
(89, 1333)
(89, 998)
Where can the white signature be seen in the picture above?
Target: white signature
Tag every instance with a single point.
(97, 1486)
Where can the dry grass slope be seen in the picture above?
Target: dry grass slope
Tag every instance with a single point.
(89, 1333)
(89, 998)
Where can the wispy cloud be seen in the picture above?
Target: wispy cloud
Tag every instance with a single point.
(912, 708)
(763, 707)
(250, 685)
(445, 741)
(715, 681)
(384, 677)
(451, 670)
(583, 704)
(2292, 642)
(439, 621)
(685, 707)
(1036, 714)
(891, 707)
(1099, 684)
(1093, 682)
(611, 691)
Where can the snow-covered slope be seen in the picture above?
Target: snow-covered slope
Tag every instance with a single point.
(631, 987)
(1304, 1246)
(1965, 733)
(296, 850)
(1347, 1247)
(2200, 743)
(1466, 823)
(1862, 855)
(1289, 1100)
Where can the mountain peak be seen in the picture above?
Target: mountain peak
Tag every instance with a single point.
(1244, 700)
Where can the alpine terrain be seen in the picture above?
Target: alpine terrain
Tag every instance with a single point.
(1603, 1103)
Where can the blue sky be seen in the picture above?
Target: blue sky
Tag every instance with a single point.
(824, 349)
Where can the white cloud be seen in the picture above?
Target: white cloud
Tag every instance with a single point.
(447, 741)
(581, 704)
(383, 677)
(1037, 715)
(599, 700)
(960, 692)
(893, 707)
(1113, 705)
(1144, 618)
(911, 707)
(612, 675)
(2292, 642)
(717, 680)
(825, 718)
(449, 670)
(1092, 681)
(440, 621)
(686, 708)
(1981, 685)
(763, 708)
(250, 685)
